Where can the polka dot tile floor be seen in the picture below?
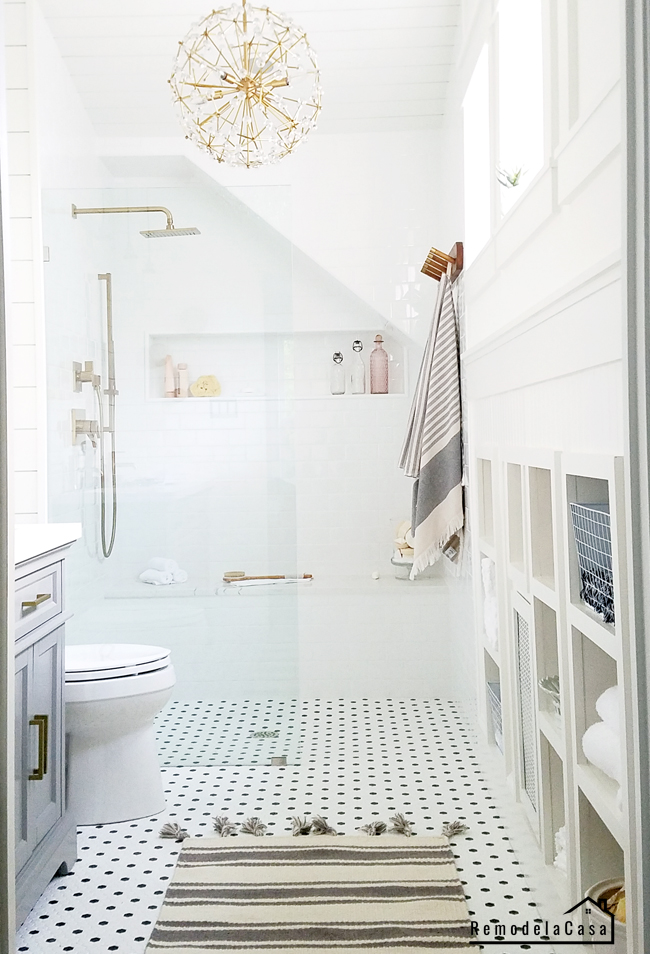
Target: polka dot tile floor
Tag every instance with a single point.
(228, 733)
(361, 761)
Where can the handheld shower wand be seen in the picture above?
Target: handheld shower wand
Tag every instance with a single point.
(111, 391)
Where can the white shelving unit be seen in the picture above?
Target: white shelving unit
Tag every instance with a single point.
(521, 501)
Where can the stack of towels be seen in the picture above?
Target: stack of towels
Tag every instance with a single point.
(163, 572)
(560, 849)
(602, 743)
(490, 605)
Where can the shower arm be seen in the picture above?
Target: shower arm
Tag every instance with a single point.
(126, 208)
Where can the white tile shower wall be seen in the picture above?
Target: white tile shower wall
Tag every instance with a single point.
(267, 485)
(24, 273)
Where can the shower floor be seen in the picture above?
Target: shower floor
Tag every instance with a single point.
(360, 761)
(228, 733)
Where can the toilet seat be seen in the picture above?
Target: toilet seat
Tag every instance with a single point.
(112, 661)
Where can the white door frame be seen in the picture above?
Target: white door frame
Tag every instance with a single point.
(637, 274)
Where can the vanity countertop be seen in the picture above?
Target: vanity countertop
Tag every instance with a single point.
(34, 539)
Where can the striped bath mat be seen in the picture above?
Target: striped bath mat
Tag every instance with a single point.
(314, 895)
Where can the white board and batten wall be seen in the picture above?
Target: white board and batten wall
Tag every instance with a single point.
(544, 391)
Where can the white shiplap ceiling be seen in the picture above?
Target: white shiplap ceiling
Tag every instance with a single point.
(384, 65)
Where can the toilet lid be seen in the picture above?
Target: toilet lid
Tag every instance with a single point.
(112, 660)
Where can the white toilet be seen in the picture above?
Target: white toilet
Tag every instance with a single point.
(113, 693)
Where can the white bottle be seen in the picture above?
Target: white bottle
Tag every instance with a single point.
(358, 372)
(337, 374)
(183, 381)
(170, 387)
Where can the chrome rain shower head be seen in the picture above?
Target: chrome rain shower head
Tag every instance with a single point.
(168, 232)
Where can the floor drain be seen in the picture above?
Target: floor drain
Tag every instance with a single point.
(268, 734)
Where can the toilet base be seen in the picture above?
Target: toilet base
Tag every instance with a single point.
(113, 769)
(116, 781)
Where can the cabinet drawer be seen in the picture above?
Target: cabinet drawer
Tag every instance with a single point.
(38, 598)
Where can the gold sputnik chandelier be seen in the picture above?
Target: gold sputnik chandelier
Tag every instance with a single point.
(246, 84)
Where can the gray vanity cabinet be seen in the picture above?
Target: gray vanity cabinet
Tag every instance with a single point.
(45, 833)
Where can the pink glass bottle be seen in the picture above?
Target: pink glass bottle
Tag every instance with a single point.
(378, 368)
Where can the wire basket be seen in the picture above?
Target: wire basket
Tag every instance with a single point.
(494, 697)
(593, 536)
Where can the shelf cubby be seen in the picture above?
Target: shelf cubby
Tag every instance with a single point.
(601, 856)
(548, 665)
(594, 671)
(493, 679)
(553, 813)
(515, 516)
(542, 543)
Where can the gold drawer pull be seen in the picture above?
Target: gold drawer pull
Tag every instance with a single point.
(28, 605)
(42, 722)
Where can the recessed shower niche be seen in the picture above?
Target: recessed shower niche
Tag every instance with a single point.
(272, 365)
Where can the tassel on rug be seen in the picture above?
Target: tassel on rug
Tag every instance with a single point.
(223, 826)
(320, 826)
(300, 826)
(253, 826)
(401, 825)
(173, 830)
(373, 828)
(451, 829)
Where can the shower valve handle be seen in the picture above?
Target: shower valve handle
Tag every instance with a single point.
(82, 426)
(87, 376)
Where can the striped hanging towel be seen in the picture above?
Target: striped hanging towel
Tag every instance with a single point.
(432, 451)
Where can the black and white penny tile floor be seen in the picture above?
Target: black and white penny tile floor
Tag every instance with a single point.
(228, 733)
(360, 761)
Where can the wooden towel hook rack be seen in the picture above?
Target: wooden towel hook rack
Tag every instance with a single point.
(437, 262)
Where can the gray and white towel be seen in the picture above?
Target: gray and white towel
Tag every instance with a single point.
(432, 451)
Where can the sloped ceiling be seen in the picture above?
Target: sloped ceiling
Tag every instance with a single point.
(385, 65)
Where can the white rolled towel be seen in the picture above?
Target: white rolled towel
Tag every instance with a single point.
(156, 577)
(489, 575)
(163, 565)
(602, 747)
(607, 707)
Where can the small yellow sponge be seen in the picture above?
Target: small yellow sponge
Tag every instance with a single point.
(206, 386)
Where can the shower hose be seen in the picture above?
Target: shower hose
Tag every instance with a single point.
(106, 550)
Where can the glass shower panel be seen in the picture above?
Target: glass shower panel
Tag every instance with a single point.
(207, 482)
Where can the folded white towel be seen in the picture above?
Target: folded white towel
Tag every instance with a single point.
(603, 749)
(163, 565)
(607, 707)
(157, 577)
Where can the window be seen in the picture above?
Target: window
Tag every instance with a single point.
(476, 127)
(521, 97)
